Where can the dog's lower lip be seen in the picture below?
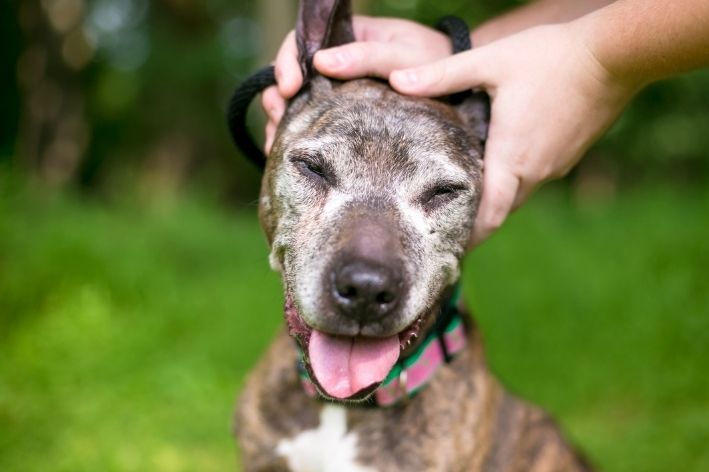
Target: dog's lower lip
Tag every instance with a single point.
(360, 396)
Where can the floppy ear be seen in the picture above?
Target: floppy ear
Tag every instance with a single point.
(321, 24)
(474, 109)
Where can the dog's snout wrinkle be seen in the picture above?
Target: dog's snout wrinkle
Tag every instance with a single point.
(365, 290)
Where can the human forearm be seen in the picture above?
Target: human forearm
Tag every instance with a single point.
(536, 13)
(639, 41)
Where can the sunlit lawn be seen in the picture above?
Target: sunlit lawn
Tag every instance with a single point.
(126, 331)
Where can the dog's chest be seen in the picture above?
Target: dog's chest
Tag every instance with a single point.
(327, 448)
(281, 428)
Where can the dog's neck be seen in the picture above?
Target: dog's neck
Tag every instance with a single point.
(441, 338)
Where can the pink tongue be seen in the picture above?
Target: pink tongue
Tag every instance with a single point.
(343, 366)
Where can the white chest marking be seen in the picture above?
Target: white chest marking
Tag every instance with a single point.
(327, 448)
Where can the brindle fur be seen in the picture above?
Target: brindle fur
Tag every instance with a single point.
(462, 421)
(384, 151)
(381, 154)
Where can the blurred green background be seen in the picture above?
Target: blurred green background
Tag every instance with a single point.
(134, 286)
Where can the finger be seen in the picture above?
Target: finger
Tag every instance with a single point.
(534, 176)
(365, 59)
(500, 188)
(273, 104)
(288, 74)
(526, 189)
(459, 72)
(270, 135)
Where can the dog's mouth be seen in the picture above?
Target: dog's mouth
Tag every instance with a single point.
(347, 367)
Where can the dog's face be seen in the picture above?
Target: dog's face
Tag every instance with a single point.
(368, 201)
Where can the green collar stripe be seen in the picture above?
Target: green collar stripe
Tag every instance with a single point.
(455, 322)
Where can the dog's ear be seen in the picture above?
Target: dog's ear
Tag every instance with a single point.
(321, 24)
(474, 110)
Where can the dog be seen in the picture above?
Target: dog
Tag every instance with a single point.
(367, 202)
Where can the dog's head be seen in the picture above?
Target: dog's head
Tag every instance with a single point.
(368, 201)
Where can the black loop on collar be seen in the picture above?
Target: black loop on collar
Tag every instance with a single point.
(244, 94)
(238, 108)
(458, 31)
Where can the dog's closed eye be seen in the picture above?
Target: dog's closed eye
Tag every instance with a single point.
(313, 168)
(440, 194)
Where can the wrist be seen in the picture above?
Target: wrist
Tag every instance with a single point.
(535, 13)
(640, 42)
(600, 46)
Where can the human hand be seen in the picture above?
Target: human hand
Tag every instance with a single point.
(551, 99)
(383, 45)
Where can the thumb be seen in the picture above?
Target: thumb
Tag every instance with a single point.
(500, 188)
(456, 73)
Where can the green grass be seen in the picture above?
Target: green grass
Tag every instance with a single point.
(126, 331)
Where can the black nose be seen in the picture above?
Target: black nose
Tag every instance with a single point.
(366, 290)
